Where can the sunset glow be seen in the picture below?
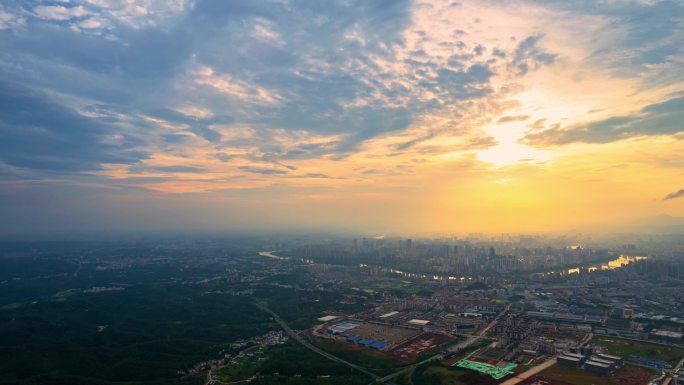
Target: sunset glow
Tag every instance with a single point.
(403, 117)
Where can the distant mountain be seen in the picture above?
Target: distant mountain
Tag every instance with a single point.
(661, 224)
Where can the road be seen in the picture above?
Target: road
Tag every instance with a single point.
(440, 356)
(525, 375)
(539, 368)
(463, 345)
(311, 347)
(669, 378)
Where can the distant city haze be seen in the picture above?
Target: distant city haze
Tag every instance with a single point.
(396, 118)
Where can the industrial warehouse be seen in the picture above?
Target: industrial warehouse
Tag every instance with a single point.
(375, 335)
(587, 360)
(485, 341)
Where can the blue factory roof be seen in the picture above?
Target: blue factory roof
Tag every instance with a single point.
(366, 341)
(379, 345)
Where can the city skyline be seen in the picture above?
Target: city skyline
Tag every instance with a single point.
(391, 117)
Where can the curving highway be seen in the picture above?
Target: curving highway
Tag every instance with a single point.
(313, 348)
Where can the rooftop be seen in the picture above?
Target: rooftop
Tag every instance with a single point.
(420, 322)
(667, 333)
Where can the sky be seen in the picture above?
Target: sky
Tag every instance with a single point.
(397, 117)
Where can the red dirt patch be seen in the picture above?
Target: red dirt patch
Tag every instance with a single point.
(627, 375)
(538, 381)
(419, 345)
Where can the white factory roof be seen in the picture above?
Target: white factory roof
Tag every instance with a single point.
(667, 333)
(343, 327)
(609, 357)
(420, 322)
(573, 355)
(600, 360)
(328, 318)
(596, 363)
(387, 315)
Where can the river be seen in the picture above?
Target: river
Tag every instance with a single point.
(621, 261)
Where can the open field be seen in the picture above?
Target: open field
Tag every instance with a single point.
(243, 368)
(371, 359)
(560, 375)
(289, 364)
(626, 348)
(437, 374)
(399, 287)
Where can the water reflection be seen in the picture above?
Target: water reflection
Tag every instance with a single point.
(270, 254)
(621, 261)
(406, 274)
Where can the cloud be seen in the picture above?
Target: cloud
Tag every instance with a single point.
(318, 175)
(514, 118)
(302, 84)
(38, 133)
(58, 12)
(199, 125)
(372, 171)
(177, 169)
(11, 20)
(655, 119)
(237, 89)
(263, 170)
(677, 194)
(529, 56)
(323, 69)
(223, 157)
(89, 14)
(538, 124)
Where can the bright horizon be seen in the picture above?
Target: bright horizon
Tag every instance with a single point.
(406, 117)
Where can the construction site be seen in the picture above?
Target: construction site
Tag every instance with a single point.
(492, 368)
(559, 375)
(376, 335)
(419, 345)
